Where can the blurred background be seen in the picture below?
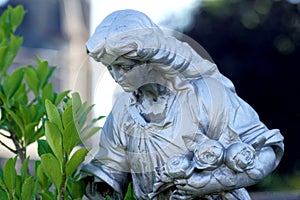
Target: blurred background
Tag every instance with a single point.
(255, 43)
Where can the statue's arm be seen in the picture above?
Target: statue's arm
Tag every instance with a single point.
(225, 179)
(108, 172)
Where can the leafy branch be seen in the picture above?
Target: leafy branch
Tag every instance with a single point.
(24, 91)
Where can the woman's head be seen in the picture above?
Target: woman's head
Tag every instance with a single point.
(132, 35)
(122, 33)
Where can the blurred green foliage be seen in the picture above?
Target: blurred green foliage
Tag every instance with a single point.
(30, 109)
(56, 174)
(280, 15)
(279, 182)
(24, 91)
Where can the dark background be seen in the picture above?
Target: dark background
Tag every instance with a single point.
(256, 45)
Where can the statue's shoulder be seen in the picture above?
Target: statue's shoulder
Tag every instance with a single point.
(120, 106)
(202, 91)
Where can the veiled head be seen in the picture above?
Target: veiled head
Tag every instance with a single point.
(122, 33)
(130, 34)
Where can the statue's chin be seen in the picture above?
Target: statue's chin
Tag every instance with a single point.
(128, 89)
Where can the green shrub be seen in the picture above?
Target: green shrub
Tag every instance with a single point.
(29, 110)
(24, 91)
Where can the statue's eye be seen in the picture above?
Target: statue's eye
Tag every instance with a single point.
(126, 67)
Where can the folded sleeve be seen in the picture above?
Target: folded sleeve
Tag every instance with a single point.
(245, 121)
(110, 163)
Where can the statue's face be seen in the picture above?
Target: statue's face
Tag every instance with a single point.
(129, 74)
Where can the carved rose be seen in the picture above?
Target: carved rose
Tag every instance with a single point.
(209, 155)
(240, 157)
(179, 166)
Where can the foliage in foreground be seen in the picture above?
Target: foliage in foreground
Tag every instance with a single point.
(23, 92)
(29, 110)
(56, 172)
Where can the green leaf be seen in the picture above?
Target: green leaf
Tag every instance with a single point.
(82, 114)
(108, 198)
(3, 98)
(76, 102)
(76, 188)
(40, 111)
(52, 169)
(67, 116)
(24, 113)
(70, 137)
(1, 174)
(32, 79)
(4, 189)
(54, 139)
(18, 121)
(61, 96)
(43, 147)
(90, 133)
(130, 193)
(3, 51)
(38, 134)
(53, 115)
(24, 169)
(33, 110)
(21, 94)
(37, 163)
(67, 102)
(47, 196)
(13, 45)
(81, 109)
(10, 175)
(29, 132)
(18, 187)
(42, 178)
(44, 72)
(5, 22)
(76, 159)
(91, 124)
(3, 194)
(47, 93)
(17, 15)
(13, 82)
(28, 188)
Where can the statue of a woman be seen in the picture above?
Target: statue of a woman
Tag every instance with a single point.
(179, 131)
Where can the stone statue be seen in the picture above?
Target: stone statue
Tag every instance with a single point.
(179, 131)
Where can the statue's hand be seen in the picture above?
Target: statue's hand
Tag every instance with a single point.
(259, 143)
(191, 187)
(204, 183)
